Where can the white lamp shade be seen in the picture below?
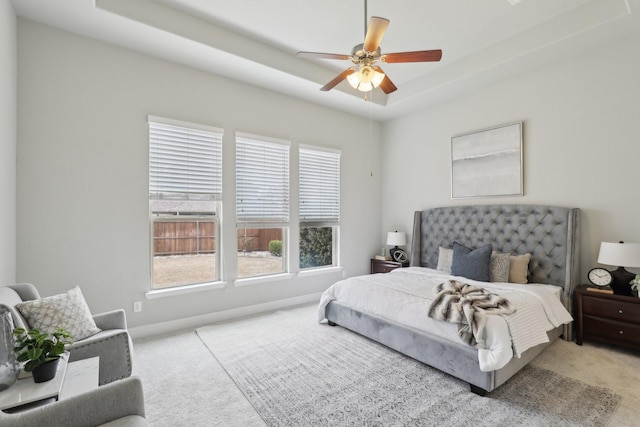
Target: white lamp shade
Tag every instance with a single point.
(619, 254)
(396, 238)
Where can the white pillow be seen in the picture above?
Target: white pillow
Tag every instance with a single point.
(68, 311)
(445, 259)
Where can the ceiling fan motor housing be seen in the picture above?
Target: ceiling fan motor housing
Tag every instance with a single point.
(361, 56)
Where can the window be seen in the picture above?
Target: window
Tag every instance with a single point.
(185, 193)
(262, 205)
(319, 197)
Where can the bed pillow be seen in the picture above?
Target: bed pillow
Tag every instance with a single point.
(68, 311)
(471, 263)
(445, 257)
(519, 268)
(499, 267)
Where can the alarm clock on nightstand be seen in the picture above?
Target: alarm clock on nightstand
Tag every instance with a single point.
(600, 277)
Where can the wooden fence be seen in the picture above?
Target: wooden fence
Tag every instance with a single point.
(198, 237)
(257, 239)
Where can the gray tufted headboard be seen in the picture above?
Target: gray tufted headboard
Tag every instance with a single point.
(548, 233)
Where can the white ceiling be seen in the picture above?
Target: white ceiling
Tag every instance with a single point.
(255, 41)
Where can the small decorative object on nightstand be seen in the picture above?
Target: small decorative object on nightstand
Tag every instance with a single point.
(622, 255)
(600, 277)
(608, 318)
(395, 239)
(635, 285)
(383, 266)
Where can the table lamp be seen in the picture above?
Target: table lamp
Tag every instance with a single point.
(395, 239)
(622, 255)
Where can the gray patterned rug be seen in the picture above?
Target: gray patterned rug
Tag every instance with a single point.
(296, 372)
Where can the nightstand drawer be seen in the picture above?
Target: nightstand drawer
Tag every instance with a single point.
(611, 309)
(611, 329)
(382, 266)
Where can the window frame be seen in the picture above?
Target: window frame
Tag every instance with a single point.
(278, 218)
(322, 216)
(213, 196)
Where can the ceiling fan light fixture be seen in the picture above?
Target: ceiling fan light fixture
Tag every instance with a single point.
(365, 79)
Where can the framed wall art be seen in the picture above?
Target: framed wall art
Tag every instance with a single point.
(487, 163)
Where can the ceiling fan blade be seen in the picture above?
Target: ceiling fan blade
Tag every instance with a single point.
(386, 85)
(339, 78)
(375, 32)
(417, 56)
(323, 55)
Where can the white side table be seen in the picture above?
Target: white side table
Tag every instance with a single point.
(71, 379)
(81, 376)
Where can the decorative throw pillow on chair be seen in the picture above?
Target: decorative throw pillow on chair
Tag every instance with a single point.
(68, 311)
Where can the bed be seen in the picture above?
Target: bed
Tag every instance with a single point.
(548, 233)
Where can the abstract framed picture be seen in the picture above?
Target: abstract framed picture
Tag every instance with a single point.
(487, 163)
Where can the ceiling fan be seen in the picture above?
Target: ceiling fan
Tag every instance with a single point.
(365, 74)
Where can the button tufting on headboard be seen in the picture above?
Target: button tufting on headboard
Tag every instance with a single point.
(549, 233)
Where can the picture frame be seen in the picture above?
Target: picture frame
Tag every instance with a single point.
(487, 163)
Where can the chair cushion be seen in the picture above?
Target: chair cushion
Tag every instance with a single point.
(68, 311)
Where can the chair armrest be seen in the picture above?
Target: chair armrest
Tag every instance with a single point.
(115, 319)
(98, 406)
(26, 291)
(114, 348)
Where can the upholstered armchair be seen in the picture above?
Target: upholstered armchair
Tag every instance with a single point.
(120, 403)
(112, 344)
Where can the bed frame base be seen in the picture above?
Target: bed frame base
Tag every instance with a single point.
(456, 359)
(478, 390)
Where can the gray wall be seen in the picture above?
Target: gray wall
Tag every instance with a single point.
(8, 65)
(581, 144)
(83, 170)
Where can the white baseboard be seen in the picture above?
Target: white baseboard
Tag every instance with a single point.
(234, 313)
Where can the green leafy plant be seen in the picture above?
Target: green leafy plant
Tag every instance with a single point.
(635, 283)
(275, 247)
(316, 246)
(37, 348)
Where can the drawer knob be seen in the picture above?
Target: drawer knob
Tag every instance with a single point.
(620, 311)
(621, 332)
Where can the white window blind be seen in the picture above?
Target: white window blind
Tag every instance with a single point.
(185, 163)
(319, 188)
(262, 180)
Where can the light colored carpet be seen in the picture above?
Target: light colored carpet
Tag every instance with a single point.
(296, 372)
(185, 386)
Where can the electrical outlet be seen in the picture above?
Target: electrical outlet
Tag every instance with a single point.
(137, 306)
(344, 274)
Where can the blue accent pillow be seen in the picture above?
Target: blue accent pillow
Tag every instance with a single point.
(471, 263)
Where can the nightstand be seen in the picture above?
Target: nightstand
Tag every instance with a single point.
(382, 266)
(608, 318)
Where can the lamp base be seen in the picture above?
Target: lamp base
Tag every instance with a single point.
(620, 283)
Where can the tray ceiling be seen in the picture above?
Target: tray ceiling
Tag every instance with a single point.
(256, 41)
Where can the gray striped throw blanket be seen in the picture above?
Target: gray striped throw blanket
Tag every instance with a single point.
(468, 306)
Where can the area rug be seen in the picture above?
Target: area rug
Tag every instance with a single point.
(296, 372)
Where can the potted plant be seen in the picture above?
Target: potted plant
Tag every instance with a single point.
(41, 351)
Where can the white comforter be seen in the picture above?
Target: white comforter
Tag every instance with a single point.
(404, 295)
